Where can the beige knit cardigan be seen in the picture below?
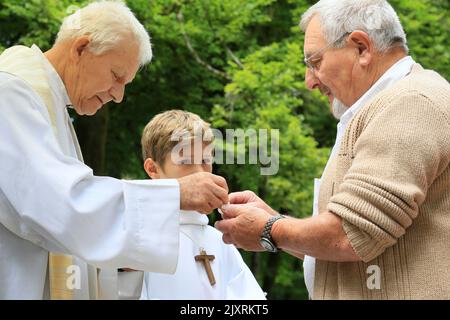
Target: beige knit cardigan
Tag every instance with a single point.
(390, 183)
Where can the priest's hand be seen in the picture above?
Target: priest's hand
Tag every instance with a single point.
(203, 192)
(243, 225)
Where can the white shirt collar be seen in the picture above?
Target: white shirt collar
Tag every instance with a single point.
(395, 73)
(57, 85)
(193, 217)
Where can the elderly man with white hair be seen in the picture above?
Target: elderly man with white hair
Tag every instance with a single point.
(381, 222)
(49, 200)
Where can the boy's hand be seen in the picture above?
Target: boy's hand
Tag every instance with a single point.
(203, 192)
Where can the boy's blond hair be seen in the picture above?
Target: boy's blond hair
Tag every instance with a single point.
(157, 136)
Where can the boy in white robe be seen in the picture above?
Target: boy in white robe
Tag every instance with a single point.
(207, 267)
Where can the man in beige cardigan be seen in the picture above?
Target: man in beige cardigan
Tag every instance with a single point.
(381, 228)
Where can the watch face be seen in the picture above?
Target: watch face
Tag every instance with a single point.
(268, 245)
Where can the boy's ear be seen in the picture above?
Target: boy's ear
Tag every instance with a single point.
(151, 167)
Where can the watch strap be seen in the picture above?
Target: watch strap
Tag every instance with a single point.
(268, 227)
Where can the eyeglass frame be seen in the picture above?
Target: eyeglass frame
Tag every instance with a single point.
(306, 61)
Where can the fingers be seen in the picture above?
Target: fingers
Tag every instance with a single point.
(205, 209)
(226, 238)
(212, 201)
(220, 181)
(203, 192)
(221, 194)
(208, 207)
(217, 192)
(240, 197)
(230, 211)
(223, 226)
(220, 189)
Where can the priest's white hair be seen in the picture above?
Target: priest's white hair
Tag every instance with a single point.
(109, 24)
(375, 17)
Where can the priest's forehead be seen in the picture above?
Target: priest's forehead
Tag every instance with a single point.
(125, 62)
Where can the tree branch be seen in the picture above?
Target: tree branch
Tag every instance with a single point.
(235, 59)
(197, 58)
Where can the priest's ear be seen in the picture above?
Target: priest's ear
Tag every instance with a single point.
(79, 47)
(152, 168)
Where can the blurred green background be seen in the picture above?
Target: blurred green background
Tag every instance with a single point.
(238, 65)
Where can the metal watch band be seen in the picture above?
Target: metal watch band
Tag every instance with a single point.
(268, 226)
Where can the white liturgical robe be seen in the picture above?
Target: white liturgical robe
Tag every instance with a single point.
(51, 201)
(234, 280)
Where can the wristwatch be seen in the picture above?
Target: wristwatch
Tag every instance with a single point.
(266, 240)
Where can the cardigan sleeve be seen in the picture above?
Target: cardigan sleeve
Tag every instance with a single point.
(398, 155)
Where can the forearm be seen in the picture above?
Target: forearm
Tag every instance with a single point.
(321, 237)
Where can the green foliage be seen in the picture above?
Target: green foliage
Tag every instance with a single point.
(266, 94)
(427, 24)
(30, 22)
(237, 64)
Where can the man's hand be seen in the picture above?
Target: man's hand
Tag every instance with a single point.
(251, 199)
(203, 192)
(243, 225)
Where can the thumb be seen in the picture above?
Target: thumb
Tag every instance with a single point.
(240, 197)
(231, 211)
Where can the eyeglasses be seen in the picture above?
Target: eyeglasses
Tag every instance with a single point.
(313, 63)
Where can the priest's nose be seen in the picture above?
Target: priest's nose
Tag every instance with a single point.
(117, 92)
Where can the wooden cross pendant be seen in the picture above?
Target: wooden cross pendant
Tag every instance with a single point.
(205, 258)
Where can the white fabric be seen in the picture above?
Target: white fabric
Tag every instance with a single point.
(130, 285)
(234, 279)
(115, 285)
(50, 201)
(394, 74)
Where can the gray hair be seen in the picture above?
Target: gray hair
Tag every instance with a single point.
(375, 17)
(108, 23)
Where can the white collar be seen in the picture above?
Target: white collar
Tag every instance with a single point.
(57, 85)
(395, 73)
(193, 218)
